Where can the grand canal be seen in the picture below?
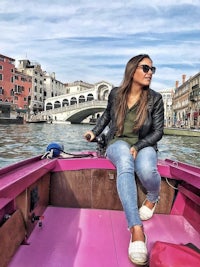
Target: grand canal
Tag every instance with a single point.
(18, 142)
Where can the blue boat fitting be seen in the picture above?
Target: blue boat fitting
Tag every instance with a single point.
(54, 150)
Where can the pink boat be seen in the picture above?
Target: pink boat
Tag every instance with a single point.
(65, 212)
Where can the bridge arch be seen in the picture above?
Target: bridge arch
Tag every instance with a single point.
(77, 117)
(49, 106)
(81, 99)
(57, 104)
(65, 102)
(73, 100)
(103, 90)
(90, 97)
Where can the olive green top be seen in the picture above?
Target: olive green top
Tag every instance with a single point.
(128, 135)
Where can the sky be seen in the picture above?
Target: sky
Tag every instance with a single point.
(92, 40)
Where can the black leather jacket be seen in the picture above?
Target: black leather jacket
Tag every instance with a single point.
(151, 131)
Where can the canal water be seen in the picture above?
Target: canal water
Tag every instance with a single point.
(18, 142)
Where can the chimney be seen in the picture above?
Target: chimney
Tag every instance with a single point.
(183, 78)
(176, 85)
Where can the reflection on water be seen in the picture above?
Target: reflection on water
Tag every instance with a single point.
(18, 142)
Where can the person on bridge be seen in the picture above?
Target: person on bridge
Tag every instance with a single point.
(135, 115)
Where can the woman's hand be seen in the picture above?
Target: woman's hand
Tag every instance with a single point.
(133, 152)
(89, 136)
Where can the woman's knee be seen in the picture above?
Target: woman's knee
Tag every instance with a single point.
(119, 154)
(118, 151)
(146, 165)
(146, 160)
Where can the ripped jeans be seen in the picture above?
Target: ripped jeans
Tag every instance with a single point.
(145, 166)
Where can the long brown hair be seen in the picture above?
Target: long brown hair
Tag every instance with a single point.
(122, 97)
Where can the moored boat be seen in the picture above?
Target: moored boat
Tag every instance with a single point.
(17, 120)
(65, 211)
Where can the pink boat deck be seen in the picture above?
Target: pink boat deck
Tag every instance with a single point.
(94, 238)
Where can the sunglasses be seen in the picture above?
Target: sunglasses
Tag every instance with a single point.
(146, 68)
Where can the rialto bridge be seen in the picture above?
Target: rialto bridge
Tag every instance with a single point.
(77, 106)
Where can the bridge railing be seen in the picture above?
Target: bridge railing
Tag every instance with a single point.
(44, 115)
(92, 103)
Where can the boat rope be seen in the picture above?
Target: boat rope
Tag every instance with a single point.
(175, 188)
(50, 154)
(81, 155)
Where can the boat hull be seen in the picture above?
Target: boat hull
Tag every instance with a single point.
(62, 202)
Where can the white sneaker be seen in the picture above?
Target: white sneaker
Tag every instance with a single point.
(145, 212)
(137, 252)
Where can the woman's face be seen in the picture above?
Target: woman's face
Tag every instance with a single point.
(143, 73)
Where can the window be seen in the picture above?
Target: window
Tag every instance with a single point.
(12, 93)
(1, 67)
(1, 91)
(1, 77)
(18, 89)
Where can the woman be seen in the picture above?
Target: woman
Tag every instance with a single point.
(135, 114)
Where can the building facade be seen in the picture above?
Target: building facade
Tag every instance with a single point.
(77, 87)
(181, 102)
(167, 96)
(186, 102)
(53, 87)
(193, 111)
(21, 92)
(36, 98)
(7, 78)
(44, 85)
(15, 86)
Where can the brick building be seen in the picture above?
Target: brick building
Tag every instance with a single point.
(7, 77)
(22, 91)
(15, 86)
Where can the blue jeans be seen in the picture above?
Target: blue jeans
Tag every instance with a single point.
(145, 166)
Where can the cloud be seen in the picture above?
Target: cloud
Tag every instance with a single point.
(92, 40)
